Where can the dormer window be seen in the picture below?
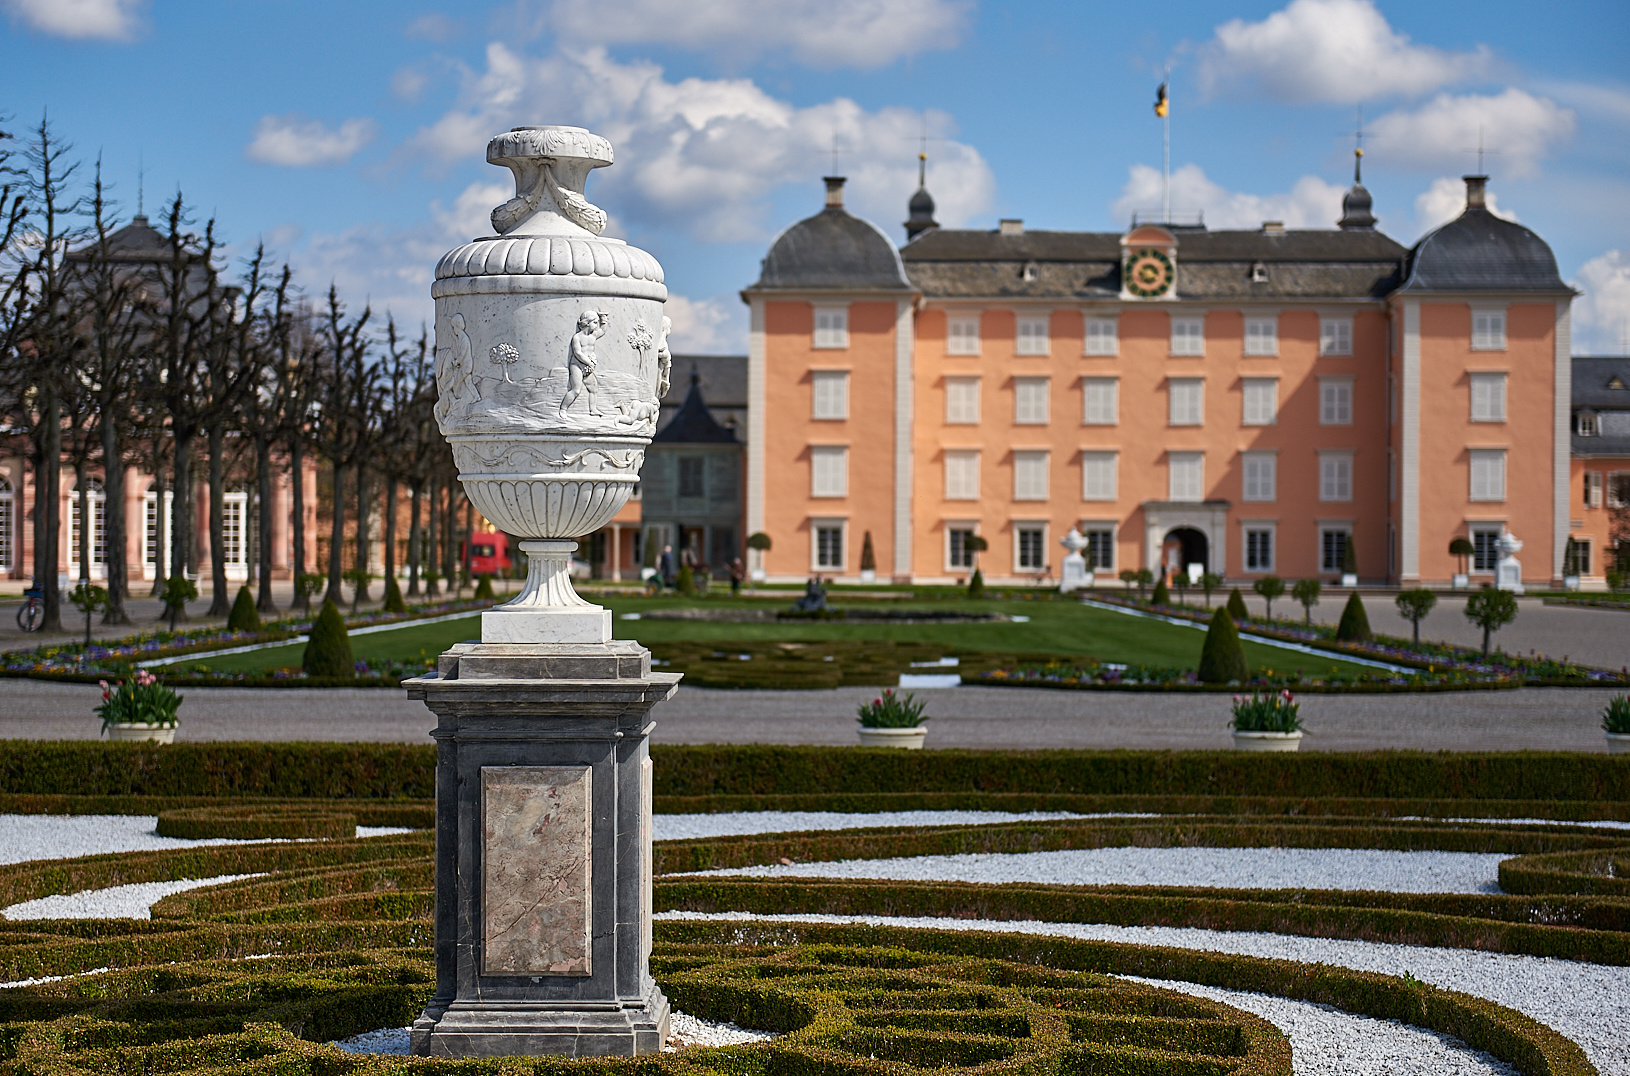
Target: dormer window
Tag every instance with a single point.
(1028, 272)
(1615, 382)
(1587, 424)
(1259, 273)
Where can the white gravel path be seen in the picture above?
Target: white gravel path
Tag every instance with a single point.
(683, 1030)
(24, 837)
(677, 827)
(1232, 868)
(1589, 1003)
(133, 901)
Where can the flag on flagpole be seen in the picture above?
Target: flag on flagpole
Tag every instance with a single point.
(1162, 106)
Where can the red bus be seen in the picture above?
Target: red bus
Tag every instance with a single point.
(488, 552)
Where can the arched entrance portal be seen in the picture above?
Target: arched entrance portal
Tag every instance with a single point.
(1186, 550)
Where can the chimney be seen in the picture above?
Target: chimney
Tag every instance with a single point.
(834, 191)
(1476, 191)
(1273, 227)
(1012, 227)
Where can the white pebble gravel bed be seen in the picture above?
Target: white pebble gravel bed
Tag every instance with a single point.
(1589, 1003)
(1227, 868)
(57, 836)
(683, 1030)
(1326, 1041)
(679, 827)
(133, 901)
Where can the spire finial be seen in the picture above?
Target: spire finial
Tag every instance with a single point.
(141, 183)
(922, 169)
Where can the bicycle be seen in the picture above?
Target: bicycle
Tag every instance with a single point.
(32, 612)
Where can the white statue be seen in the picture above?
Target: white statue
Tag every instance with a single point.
(1508, 572)
(457, 374)
(1075, 574)
(665, 359)
(580, 370)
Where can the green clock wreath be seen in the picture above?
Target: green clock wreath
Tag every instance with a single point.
(1148, 273)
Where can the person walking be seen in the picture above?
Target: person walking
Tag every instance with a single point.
(737, 573)
(665, 567)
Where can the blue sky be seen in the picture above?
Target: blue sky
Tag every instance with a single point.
(349, 136)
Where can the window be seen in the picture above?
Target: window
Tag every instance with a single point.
(1186, 401)
(691, 471)
(1261, 476)
(1098, 476)
(832, 326)
(958, 547)
(1101, 337)
(1335, 336)
(1618, 489)
(1258, 549)
(1333, 548)
(829, 471)
(1593, 489)
(1030, 401)
(8, 524)
(1581, 556)
(829, 545)
(962, 401)
(234, 508)
(1262, 336)
(1487, 474)
(962, 334)
(1335, 401)
(1030, 476)
(1030, 547)
(97, 538)
(961, 476)
(1587, 424)
(1488, 397)
(1335, 476)
(1032, 339)
(1488, 330)
(1188, 336)
(1100, 397)
(1185, 477)
(1485, 548)
(156, 528)
(831, 394)
(1261, 401)
(1100, 550)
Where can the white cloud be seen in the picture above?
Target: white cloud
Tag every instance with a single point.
(704, 155)
(820, 33)
(1444, 133)
(434, 27)
(109, 20)
(1445, 200)
(1601, 316)
(716, 326)
(1327, 50)
(1311, 203)
(301, 143)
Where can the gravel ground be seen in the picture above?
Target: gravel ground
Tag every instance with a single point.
(1227, 868)
(65, 836)
(678, 827)
(1589, 1003)
(118, 902)
(683, 1030)
(1325, 1041)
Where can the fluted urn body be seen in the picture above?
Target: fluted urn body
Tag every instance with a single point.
(551, 357)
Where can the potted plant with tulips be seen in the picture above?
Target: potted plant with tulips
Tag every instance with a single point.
(1616, 724)
(140, 708)
(892, 721)
(1266, 722)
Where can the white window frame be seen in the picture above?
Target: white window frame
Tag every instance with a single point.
(8, 524)
(235, 504)
(156, 522)
(1587, 424)
(1258, 526)
(1031, 334)
(1325, 563)
(97, 502)
(1261, 334)
(1031, 403)
(1593, 489)
(1336, 401)
(1097, 464)
(1185, 401)
(1180, 467)
(1336, 476)
(1031, 474)
(968, 526)
(1486, 475)
(1091, 530)
(1034, 526)
(962, 334)
(1259, 401)
(1102, 336)
(818, 524)
(1262, 486)
(1188, 335)
(1488, 328)
(830, 389)
(828, 471)
(1488, 396)
(1335, 336)
(962, 401)
(1100, 401)
(961, 474)
(831, 327)
(1582, 554)
(1490, 554)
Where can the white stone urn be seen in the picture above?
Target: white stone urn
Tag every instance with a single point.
(124, 731)
(1508, 572)
(1267, 741)
(1074, 575)
(551, 357)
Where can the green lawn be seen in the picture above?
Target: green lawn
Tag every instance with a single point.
(1058, 627)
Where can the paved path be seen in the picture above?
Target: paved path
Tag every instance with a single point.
(1528, 719)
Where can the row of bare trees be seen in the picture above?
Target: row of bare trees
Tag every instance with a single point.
(132, 347)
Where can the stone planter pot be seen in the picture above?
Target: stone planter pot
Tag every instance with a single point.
(1267, 741)
(1618, 743)
(911, 739)
(1570, 582)
(868, 575)
(1460, 581)
(1349, 580)
(133, 731)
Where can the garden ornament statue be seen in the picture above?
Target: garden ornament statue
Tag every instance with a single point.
(1508, 572)
(1075, 575)
(551, 358)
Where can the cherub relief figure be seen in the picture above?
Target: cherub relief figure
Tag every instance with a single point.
(457, 373)
(665, 359)
(581, 364)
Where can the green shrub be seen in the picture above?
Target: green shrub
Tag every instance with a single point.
(976, 585)
(1616, 715)
(1491, 610)
(483, 589)
(1266, 713)
(393, 596)
(1307, 592)
(1355, 623)
(1270, 587)
(868, 557)
(1222, 658)
(1162, 594)
(686, 583)
(1413, 605)
(1236, 607)
(328, 650)
(244, 616)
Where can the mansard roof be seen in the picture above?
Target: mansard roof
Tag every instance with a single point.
(833, 250)
(695, 424)
(1478, 251)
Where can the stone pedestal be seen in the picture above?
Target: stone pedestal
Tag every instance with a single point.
(543, 851)
(1508, 570)
(1075, 575)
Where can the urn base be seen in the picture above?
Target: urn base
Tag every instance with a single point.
(572, 624)
(492, 1030)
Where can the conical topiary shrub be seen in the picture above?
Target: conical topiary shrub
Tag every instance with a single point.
(1222, 659)
(1236, 607)
(1355, 623)
(393, 596)
(328, 650)
(686, 581)
(483, 590)
(1162, 594)
(976, 585)
(243, 616)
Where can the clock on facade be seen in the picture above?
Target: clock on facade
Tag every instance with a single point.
(1148, 273)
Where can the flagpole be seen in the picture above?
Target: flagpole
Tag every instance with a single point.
(1166, 157)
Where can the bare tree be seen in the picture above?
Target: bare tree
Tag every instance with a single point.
(346, 370)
